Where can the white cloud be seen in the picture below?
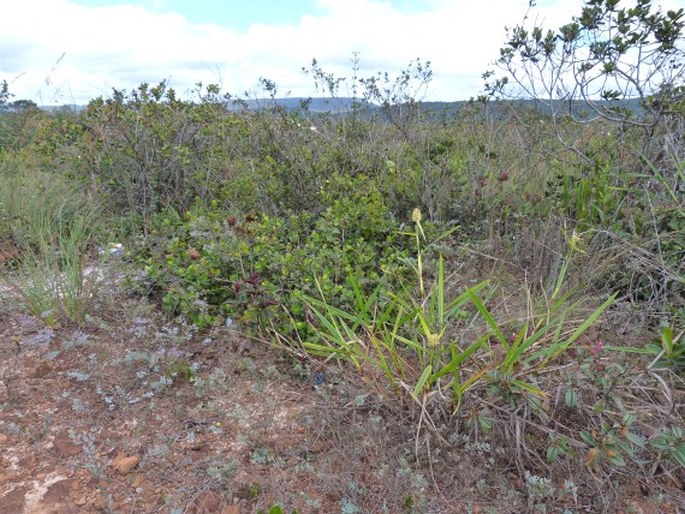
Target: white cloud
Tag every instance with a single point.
(121, 46)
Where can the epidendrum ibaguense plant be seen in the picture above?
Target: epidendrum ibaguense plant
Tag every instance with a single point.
(410, 339)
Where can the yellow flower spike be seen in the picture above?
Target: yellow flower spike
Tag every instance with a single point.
(576, 241)
(416, 218)
(433, 339)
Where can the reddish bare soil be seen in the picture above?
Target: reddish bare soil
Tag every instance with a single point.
(132, 414)
(106, 418)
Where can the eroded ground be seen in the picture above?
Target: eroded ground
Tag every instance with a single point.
(132, 414)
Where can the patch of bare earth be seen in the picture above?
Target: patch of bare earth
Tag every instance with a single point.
(132, 414)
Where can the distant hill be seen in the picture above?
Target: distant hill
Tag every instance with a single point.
(440, 109)
(315, 105)
(344, 105)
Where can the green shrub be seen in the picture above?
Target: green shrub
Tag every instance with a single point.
(207, 265)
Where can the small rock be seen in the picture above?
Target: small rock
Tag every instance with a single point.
(318, 447)
(65, 447)
(41, 371)
(28, 462)
(57, 492)
(14, 501)
(207, 503)
(99, 503)
(11, 476)
(124, 464)
(138, 481)
(3, 438)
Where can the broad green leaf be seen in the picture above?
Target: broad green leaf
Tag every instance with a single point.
(587, 437)
(552, 453)
(562, 347)
(422, 381)
(571, 398)
(459, 358)
(529, 387)
(615, 458)
(679, 454)
(667, 339)
(487, 316)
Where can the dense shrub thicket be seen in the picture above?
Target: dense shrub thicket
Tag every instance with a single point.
(338, 188)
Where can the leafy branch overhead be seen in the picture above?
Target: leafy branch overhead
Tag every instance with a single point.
(607, 52)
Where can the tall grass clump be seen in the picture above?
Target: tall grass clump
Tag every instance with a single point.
(48, 227)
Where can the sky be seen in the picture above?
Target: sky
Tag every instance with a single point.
(70, 51)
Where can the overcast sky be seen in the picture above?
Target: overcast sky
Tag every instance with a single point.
(70, 51)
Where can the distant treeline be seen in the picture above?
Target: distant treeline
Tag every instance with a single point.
(347, 105)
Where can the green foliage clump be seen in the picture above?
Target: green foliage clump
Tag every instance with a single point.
(166, 163)
(404, 337)
(207, 265)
